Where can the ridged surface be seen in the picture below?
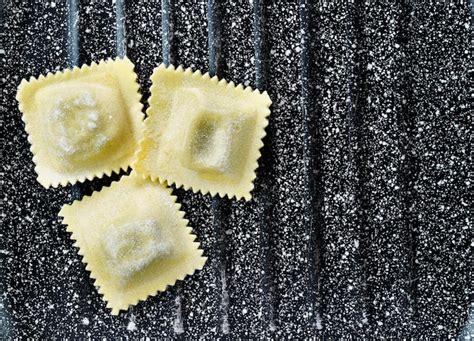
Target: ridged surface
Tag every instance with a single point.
(359, 220)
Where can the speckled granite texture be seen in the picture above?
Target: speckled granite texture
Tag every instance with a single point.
(359, 225)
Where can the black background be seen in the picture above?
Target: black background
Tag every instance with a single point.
(359, 221)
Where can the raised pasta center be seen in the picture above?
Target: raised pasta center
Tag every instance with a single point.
(131, 247)
(84, 120)
(215, 144)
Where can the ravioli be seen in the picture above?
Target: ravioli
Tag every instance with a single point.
(134, 240)
(82, 122)
(202, 133)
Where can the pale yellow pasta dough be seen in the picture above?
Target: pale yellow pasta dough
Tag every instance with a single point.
(202, 133)
(134, 240)
(83, 122)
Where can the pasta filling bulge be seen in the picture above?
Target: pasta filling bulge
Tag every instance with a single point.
(81, 127)
(131, 247)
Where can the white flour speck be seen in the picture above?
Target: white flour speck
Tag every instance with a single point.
(131, 326)
(93, 116)
(319, 324)
(85, 99)
(178, 322)
(65, 146)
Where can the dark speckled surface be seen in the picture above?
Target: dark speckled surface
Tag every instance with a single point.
(359, 223)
